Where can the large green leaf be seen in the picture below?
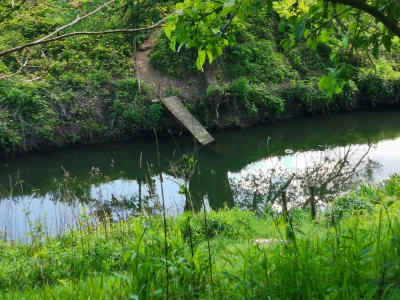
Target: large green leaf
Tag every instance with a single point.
(299, 30)
(387, 42)
(201, 58)
(281, 24)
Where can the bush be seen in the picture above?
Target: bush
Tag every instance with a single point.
(310, 98)
(156, 112)
(349, 96)
(226, 222)
(375, 90)
(10, 137)
(240, 87)
(128, 105)
(256, 98)
(392, 186)
(257, 60)
(266, 102)
(346, 205)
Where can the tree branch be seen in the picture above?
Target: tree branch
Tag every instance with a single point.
(19, 70)
(373, 11)
(41, 41)
(78, 19)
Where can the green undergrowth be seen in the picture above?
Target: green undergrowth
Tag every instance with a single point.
(83, 89)
(260, 81)
(351, 251)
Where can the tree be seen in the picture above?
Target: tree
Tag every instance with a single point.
(350, 26)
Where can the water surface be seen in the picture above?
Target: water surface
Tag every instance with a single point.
(246, 168)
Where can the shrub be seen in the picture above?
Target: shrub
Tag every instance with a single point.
(375, 90)
(269, 104)
(349, 96)
(392, 186)
(257, 60)
(310, 98)
(10, 137)
(156, 112)
(346, 205)
(128, 105)
(226, 222)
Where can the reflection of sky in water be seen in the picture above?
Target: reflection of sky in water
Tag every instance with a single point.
(386, 153)
(14, 217)
(125, 189)
(59, 215)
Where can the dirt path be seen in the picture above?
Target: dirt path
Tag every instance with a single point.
(159, 79)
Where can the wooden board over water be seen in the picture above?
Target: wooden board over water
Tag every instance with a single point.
(187, 119)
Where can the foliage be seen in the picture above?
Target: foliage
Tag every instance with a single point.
(258, 101)
(128, 104)
(392, 186)
(257, 60)
(71, 91)
(228, 223)
(311, 99)
(349, 204)
(10, 138)
(174, 64)
(156, 113)
(380, 90)
(211, 26)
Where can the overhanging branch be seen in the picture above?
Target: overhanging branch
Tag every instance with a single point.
(373, 11)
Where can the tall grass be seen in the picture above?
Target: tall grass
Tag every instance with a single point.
(356, 257)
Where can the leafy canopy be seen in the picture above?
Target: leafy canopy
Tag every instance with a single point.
(348, 26)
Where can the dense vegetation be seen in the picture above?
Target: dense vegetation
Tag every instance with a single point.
(84, 89)
(263, 61)
(76, 90)
(350, 251)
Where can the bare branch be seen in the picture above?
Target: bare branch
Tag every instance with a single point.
(19, 70)
(126, 30)
(34, 79)
(78, 19)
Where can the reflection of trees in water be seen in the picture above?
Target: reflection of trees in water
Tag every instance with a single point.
(97, 193)
(105, 204)
(330, 171)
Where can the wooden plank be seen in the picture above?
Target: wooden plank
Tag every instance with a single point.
(187, 119)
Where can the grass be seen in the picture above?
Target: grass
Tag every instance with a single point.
(355, 257)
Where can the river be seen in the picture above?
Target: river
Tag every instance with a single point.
(246, 168)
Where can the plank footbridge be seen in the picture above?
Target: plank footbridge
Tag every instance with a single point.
(187, 119)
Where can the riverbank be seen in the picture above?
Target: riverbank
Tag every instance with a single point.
(352, 251)
(85, 90)
(221, 109)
